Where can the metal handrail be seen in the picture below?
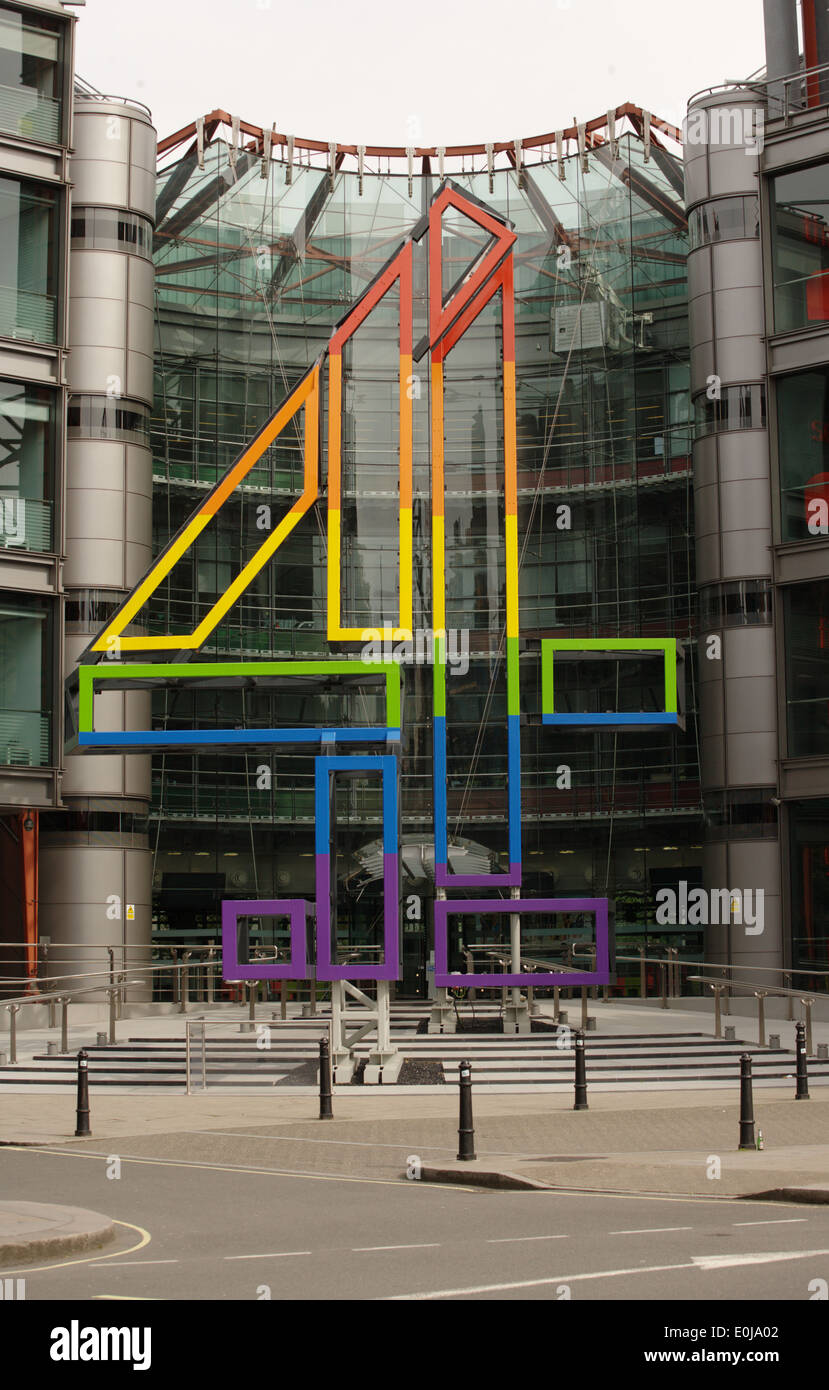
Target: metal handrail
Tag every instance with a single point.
(807, 999)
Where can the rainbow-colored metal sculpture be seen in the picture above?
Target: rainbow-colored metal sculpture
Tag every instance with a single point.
(449, 318)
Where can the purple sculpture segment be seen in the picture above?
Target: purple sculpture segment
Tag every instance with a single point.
(541, 979)
(387, 767)
(295, 909)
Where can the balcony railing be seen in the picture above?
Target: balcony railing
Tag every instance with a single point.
(25, 738)
(32, 317)
(25, 112)
(25, 524)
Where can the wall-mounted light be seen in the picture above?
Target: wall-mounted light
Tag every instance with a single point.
(28, 823)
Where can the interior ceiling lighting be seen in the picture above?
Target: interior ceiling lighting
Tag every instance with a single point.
(418, 858)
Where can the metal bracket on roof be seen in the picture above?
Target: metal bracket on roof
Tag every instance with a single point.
(611, 135)
(646, 132)
(581, 132)
(490, 166)
(410, 164)
(441, 153)
(200, 140)
(560, 154)
(289, 167)
(267, 137)
(332, 163)
(233, 147)
(519, 163)
(361, 164)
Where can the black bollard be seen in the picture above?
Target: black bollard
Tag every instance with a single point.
(581, 1072)
(466, 1132)
(326, 1109)
(747, 1140)
(83, 1096)
(802, 1091)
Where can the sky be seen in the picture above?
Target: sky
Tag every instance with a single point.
(438, 72)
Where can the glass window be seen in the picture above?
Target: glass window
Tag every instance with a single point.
(105, 229)
(735, 408)
(28, 260)
(741, 813)
(25, 681)
(737, 603)
(803, 446)
(809, 822)
(30, 75)
(807, 668)
(727, 219)
(104, 417)
(27, 445)
(800, 245)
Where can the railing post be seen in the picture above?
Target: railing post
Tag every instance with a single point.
(253, 989)
(807, 1008)
(643, 975)
(184, 989)
(210, 982)
(556, 1003)
(584, 1006)
(787, 975)
(760, 996)
(14, 1009)
(176, 985)
(283, 1000)
(64, 1023)
(113, 999)
(663, 979)
(717, 1016)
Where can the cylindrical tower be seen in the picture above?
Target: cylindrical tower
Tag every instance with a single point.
(737, 697)
(96, 873)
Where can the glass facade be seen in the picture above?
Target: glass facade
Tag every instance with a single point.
(27, 466)
(809, 858)
(29, 260)
(800, 247)
(252, 275)
(803, 452)
(806, 609)
(110, 229)
(31, 75)
(726, 219)
(25, 681)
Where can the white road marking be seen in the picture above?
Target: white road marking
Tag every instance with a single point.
(507, 1240)
(129, 1264)
(780, 1221)
(365, 1250)
(273, 1255)
(700, 1262)
(725, 1261)
(650, 1231)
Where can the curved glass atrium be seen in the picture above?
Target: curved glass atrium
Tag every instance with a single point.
(256, 260)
